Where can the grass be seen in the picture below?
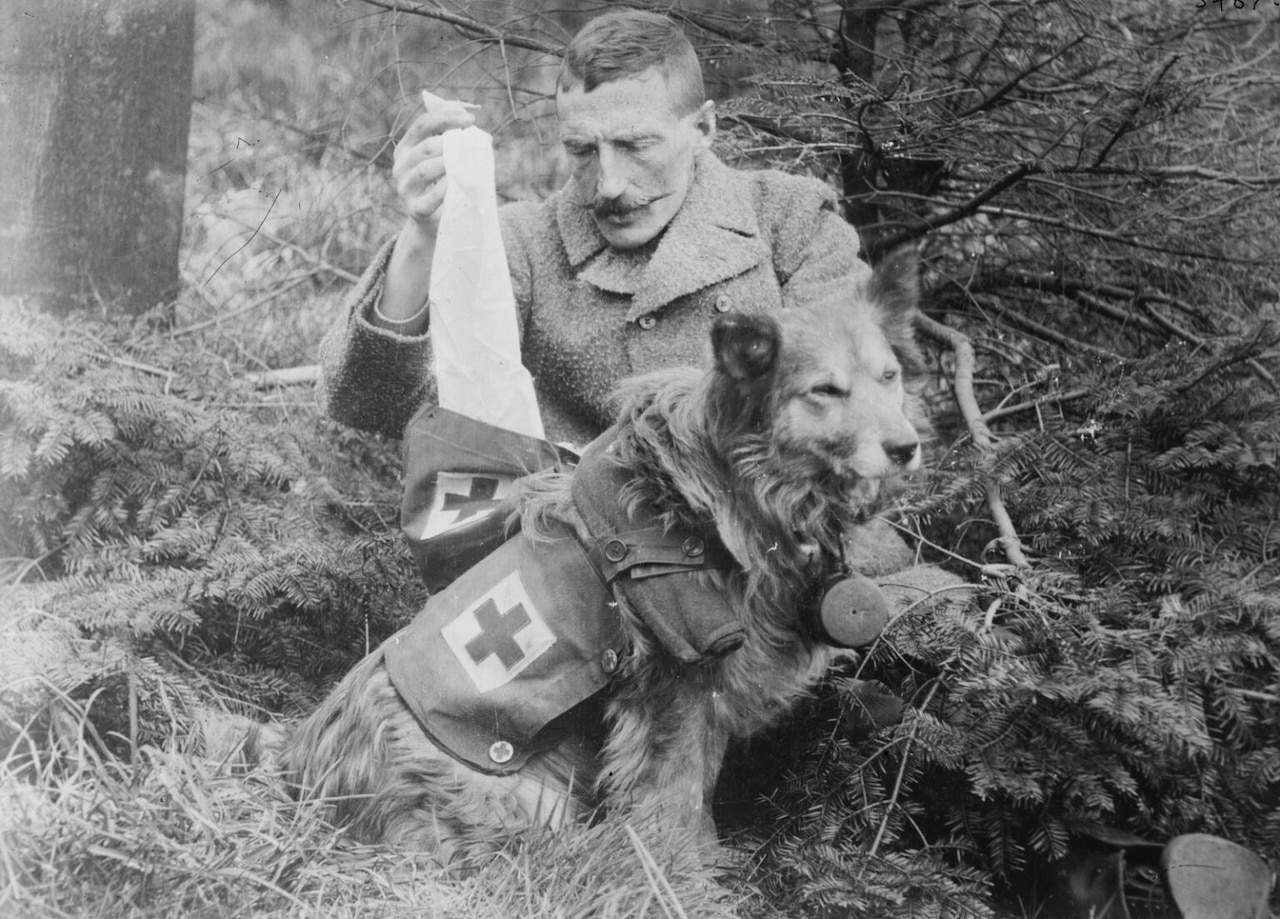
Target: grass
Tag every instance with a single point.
(173, 834)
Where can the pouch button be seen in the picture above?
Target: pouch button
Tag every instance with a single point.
(615, 550)
(501, 752)
(647, 321)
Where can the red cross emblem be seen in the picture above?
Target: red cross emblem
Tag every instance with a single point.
(479, 498)
(460, 497)
(498, 635)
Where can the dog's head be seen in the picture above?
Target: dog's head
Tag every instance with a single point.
(825, 383)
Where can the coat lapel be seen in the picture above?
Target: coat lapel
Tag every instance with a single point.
(714, 236)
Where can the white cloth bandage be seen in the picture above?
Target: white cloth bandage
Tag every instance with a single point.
(474, 333)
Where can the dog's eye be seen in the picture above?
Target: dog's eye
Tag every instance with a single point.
(828, 389)
(889, 376)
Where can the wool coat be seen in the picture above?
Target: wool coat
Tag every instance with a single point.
(743, 240)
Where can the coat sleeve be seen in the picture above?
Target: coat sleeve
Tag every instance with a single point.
(375, 379)
(371, 378)
(815, 249)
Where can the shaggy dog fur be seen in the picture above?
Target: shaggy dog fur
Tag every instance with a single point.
(780, 447)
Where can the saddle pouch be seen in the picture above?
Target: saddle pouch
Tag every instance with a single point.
(458, 471)
(511, 644)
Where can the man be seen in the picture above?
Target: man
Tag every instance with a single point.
(624, 269)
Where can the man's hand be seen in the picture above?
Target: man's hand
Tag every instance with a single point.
(419, 163)
(418, 172)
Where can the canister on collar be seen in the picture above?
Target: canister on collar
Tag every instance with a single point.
(852, 610)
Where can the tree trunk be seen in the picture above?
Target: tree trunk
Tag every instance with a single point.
(95, 105)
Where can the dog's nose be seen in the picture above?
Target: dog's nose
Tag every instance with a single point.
(901, 454)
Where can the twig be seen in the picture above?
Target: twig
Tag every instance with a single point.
(1109, 236)
(960, 211)
(257, 229)
(261, 301)
(988, 101)
(1127, 124)
(967, 402)
(902, 771)
(962, 347)
(1050, 399)
(285, 376)
(1065, 342)
(147, 368)
(466, 24)
(1188, 172)
(316, 260)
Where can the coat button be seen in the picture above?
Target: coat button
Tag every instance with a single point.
(647, 321)
(724, 303)
(693, 547)
(501, 752)
(609, 660)
(615, 550)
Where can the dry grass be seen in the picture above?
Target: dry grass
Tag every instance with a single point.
(178, 835)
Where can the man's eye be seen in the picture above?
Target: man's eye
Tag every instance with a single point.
(579, 150)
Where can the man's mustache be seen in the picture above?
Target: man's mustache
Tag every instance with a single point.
(605, 208)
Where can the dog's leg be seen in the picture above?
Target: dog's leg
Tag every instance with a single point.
(663, 757)
(363, 752)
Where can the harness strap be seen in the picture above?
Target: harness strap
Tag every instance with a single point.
(658, 573)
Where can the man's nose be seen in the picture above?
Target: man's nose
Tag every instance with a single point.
(611, 179)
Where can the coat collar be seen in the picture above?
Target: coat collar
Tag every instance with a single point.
(714, 236)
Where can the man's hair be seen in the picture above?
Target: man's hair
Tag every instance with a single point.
(624, 43)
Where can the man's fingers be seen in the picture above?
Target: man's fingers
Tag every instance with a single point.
(435, 122)
(425, 205)
(419, 160)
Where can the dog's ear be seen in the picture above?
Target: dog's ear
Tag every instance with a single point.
(746, 347)
(895, 281)
(895, 290)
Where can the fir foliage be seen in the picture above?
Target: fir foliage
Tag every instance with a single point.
(1131, 678)
(202, 540)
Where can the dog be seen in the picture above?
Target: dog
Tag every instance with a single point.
(771, 455)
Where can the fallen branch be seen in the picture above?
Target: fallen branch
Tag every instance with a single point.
(967, 402)
(285, 376)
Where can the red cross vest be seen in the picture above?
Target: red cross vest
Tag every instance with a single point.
(533, 629)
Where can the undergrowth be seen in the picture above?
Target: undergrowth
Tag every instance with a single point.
(1130, 679)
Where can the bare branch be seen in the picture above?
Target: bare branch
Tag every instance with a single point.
(967, 402)
(1127, 124)
(1096, 233)
(467, 25)
(1012, 84)
(959, 211)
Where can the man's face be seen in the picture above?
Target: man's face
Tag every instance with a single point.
(632, 153)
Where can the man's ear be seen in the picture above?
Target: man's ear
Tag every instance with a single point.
(745, 347)
(705, 122)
